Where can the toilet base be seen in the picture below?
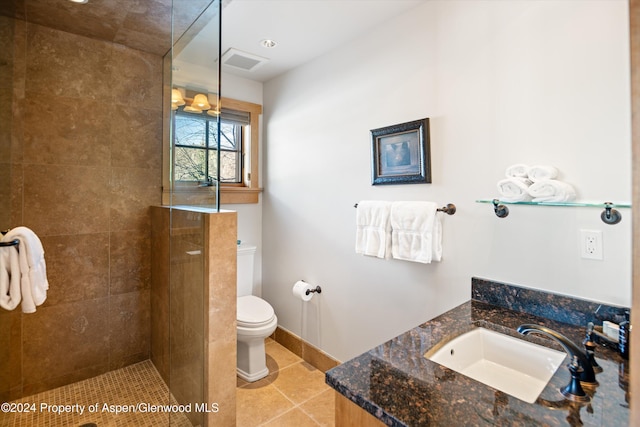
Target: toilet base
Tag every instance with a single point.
(252, 377)
(252, 359)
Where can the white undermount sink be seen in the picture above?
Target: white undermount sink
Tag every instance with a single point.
(516, 367)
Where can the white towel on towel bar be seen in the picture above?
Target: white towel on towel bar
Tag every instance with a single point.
(33, 269)
(416, 232)
(373, 229)
(10, 294)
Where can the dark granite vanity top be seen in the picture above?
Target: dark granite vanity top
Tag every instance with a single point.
(398, 385)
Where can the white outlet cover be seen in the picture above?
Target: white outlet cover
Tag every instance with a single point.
(591, 244)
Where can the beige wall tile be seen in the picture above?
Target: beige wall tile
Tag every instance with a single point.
(136, 78)
(66, 199)
(133, 190)
(67, 65)
(130, 264)
(67, 131)
(82, 257)
(60, 340)
(136, 137)
(129, 328)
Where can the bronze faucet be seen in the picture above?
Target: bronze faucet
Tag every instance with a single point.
(580, 365)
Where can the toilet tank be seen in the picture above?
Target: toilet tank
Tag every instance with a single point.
(246, 255)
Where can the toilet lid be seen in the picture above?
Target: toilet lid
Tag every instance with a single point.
(253, 310)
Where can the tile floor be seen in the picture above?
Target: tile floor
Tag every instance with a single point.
(294, 394)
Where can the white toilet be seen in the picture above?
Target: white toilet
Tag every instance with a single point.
(256, 321)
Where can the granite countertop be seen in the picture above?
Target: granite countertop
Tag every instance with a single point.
(398, 385)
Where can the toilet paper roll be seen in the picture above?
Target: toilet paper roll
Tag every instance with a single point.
(300, 290)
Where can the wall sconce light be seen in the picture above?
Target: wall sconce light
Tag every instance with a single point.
(215, 110)
(191, 109)
(176, 99)
(201, 102)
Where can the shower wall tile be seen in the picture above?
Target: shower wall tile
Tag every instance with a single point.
(67, 65)
(212, 296)
(19, 58)
(130, 262)
(11, 362)
(220, 231)
(61, 199)
(17, 195)
(159, 349)
(61, 340)
(136, 137)
(7, 35)
(101, 20)
(133, 190)
(82, 257)
(136, 78)
(129, 328)
(6, 114)
(59, 130)
(5, 196)
(146, 27)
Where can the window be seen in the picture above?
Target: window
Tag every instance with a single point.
(196, 149)
(193, 160)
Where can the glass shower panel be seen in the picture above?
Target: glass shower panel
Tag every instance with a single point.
(191, 68)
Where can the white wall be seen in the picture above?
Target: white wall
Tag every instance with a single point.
(502, 83)
(249, 215)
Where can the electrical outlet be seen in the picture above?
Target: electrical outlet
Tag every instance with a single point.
(591, 244)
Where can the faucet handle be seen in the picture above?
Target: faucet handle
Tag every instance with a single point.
(573, 391)
(589, 349)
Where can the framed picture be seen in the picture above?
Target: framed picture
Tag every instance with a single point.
(400, 154)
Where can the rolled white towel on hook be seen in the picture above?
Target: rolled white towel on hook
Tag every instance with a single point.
(10, 291)
(33, 268)
(552, 191)
(518, 170)
(514, 189)
(542, 173)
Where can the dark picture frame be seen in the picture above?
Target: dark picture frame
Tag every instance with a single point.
(400, 154)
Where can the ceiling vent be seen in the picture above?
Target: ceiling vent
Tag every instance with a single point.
(242, 60)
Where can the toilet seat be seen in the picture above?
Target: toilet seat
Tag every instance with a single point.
(254, 312)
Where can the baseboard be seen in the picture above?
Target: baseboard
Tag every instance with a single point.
(310, 354)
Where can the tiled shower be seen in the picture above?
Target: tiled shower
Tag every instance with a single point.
(80, 165)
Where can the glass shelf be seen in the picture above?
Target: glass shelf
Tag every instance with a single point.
(610, 215)
(570, 204)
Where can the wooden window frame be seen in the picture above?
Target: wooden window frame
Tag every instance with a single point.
(230, 193)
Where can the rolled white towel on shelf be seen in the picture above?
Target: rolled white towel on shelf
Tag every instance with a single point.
(552, 191)
(518, 170)
(542, 173)
(514, 189)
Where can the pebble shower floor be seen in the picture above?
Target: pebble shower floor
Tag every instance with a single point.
(139, 383)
